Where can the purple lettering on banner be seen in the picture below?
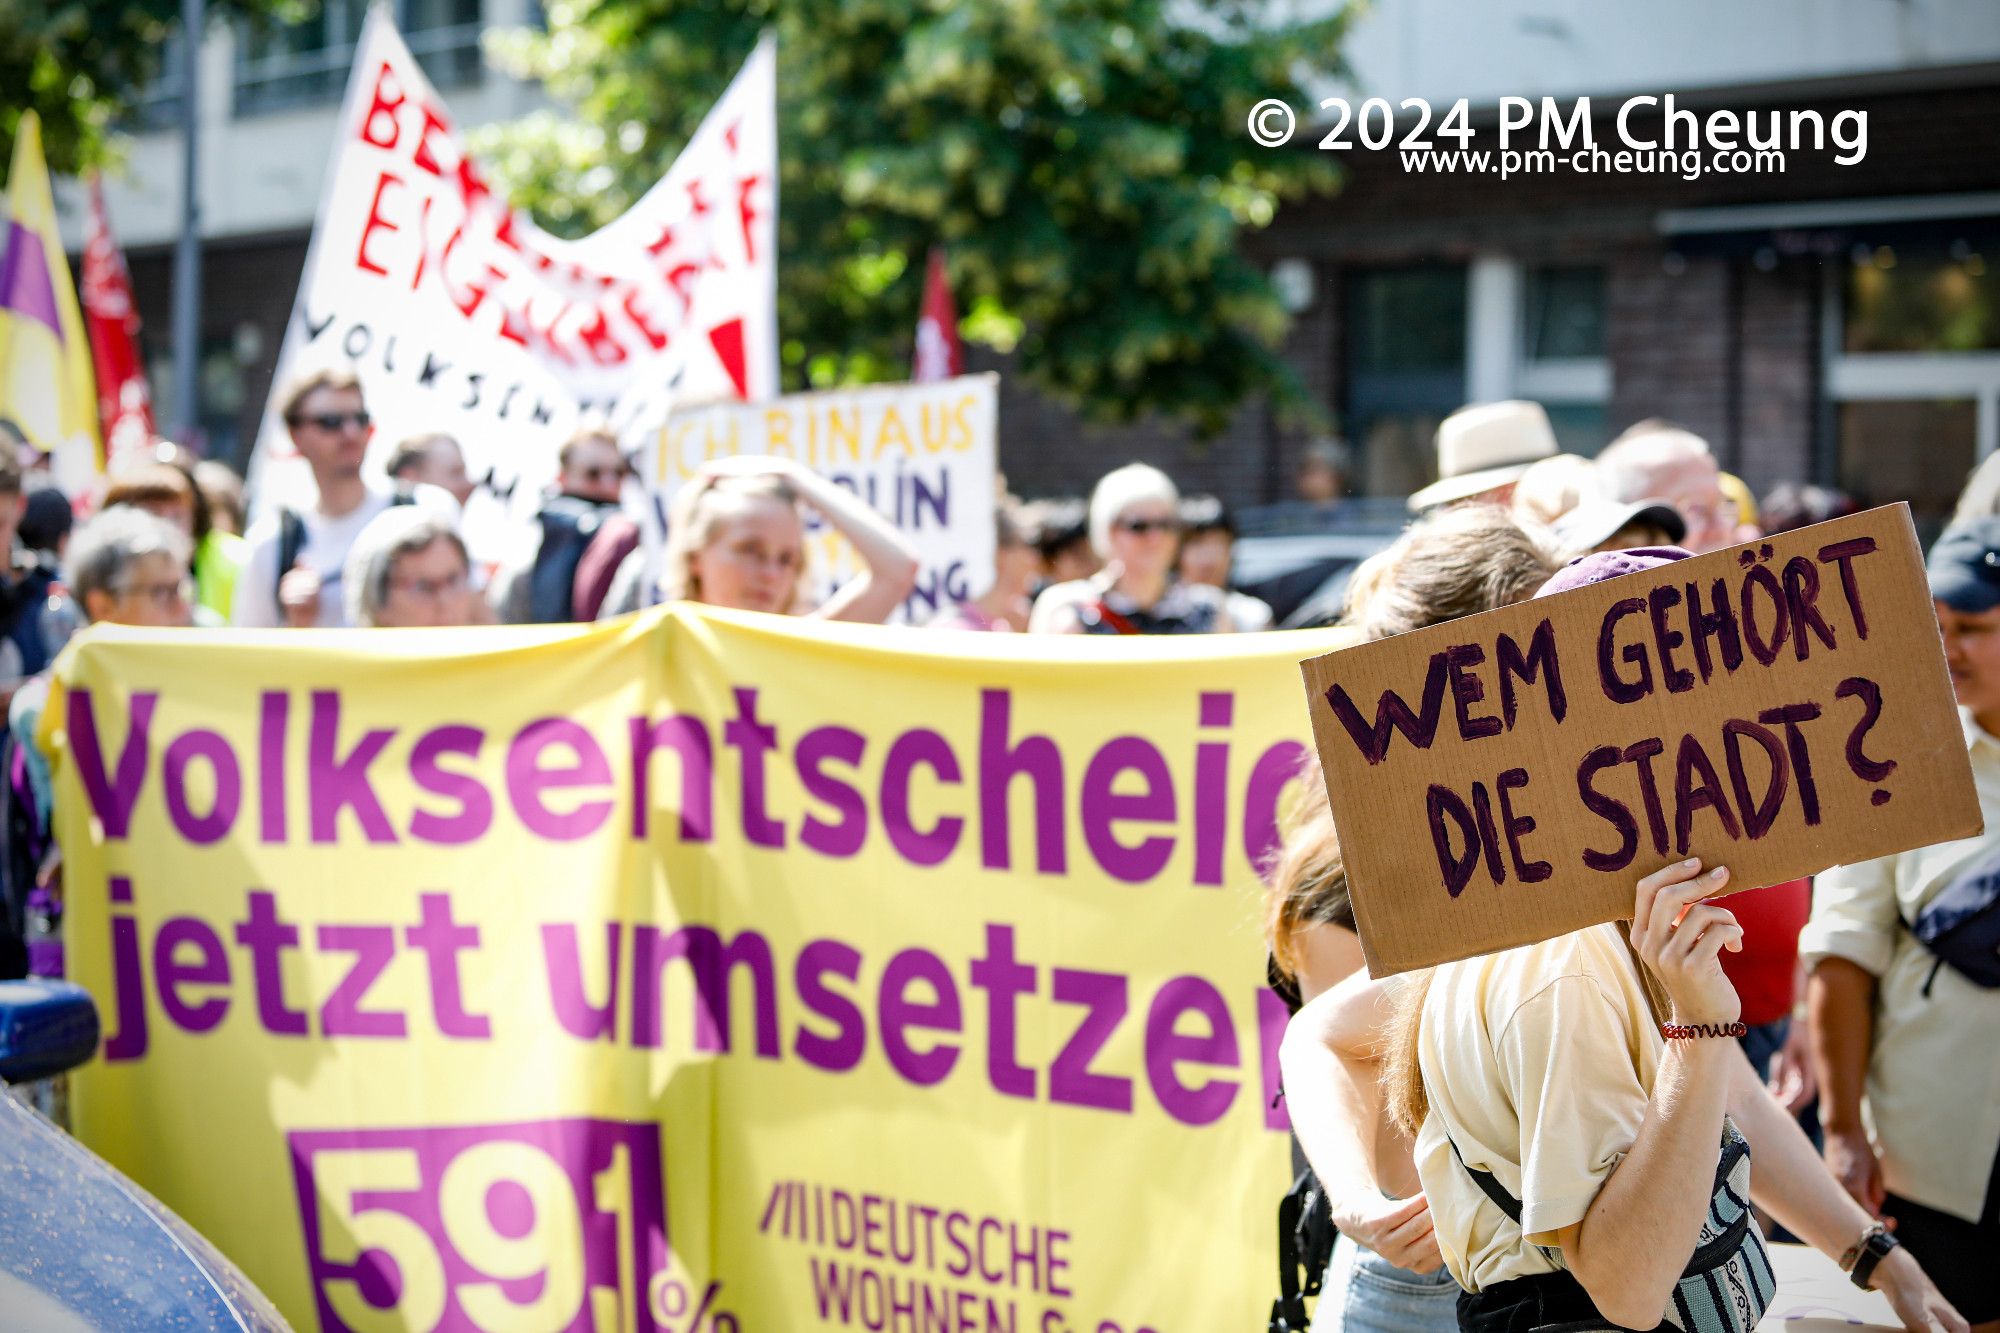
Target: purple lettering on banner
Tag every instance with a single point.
(1393, 714)
(1166, 1047)
(1678, 680)
(182, 752)
(1844, 553)
(1000, 762)
(266, 936)
(815, 749)
(1101, 807)
(898, 1014)
(128, 982)
(687, 738)
(563, 961)
(918, 847)
(209, 967)
(1609, 809)
(527, 779)
(609, 1176)
(753, 740)
(1539, 661)
(441, 938)
(1103, 997)
(333, 782)
(842, 1050)
(1004, 979)
(1468, 689)
(711, 965)
(274, 716)
(1275, 769)
(1616, 687)
(1272, 1016)
(374, 948)
(474, 815)
(111, 800)
(1211, 791)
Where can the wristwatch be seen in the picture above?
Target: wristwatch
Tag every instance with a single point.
(1864, 1254)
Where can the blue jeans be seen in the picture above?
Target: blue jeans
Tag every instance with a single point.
(1764, 1041)
(1365, 1293)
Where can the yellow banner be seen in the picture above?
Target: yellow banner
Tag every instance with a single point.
(700, 972)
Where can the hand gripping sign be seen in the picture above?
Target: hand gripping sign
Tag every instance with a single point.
(1778, 707)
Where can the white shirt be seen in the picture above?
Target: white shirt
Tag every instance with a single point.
(327, 542)
(1932, 1101)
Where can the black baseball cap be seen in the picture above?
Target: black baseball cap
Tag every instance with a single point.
(1964, 566)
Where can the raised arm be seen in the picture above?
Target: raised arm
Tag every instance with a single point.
(1330, 1060)
(1639, 1232)
(891, 559)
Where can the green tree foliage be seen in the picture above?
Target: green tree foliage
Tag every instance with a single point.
(1085, 163)
(82, 64)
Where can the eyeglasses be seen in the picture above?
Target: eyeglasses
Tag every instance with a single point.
(430, 589)
(1141, 526)
(594, 474)
(331, 422)
(163, 596)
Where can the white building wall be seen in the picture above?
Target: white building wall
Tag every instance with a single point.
(1442, 50)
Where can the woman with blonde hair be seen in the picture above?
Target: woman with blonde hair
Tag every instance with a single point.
(1385, 1275)
(736, 537)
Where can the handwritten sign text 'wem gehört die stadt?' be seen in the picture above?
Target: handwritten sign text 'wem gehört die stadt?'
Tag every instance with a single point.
(1778, 708)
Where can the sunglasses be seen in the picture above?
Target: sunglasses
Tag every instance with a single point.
(1142, 526)
(331, 422)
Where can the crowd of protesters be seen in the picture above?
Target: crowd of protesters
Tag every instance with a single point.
(1506, 1143)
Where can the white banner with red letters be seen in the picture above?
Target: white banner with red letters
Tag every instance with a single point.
(460, 315)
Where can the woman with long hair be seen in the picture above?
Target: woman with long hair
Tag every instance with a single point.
(1385, 1275)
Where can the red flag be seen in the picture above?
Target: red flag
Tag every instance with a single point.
(124, 403)
(938, 356)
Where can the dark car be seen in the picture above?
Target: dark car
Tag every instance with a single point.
(82, 1248)
(1298, 557)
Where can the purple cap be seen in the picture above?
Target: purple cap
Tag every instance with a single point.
(1588, 569)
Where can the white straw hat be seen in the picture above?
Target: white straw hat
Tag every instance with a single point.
(1484, 447)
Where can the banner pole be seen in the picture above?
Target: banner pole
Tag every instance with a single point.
(187, 252)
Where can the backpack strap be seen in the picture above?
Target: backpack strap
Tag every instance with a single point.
(291, 540)
(1490, 1186)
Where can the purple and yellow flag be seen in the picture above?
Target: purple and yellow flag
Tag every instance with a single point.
(46, 384)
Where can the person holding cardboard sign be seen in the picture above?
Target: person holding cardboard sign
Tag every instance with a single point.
(1585, 1128)
(1902, 1019)
(1385, 1275)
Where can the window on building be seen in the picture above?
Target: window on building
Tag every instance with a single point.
(1946, 300)
(305, 63)
(1405, 370)
(1562, 362)
(159, 106)
(1915, 373)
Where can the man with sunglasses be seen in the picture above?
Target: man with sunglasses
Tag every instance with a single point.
(540, 589)
(293, 575)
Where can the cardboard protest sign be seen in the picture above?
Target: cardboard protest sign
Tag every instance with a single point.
(924, 455)
(1778, 708)
(462, 316)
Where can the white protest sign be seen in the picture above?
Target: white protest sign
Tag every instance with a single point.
(460, 315)
(924, 455)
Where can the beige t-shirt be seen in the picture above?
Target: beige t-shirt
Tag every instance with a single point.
(1538, 1062)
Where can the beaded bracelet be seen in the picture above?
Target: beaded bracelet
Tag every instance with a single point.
(1689, 1031)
